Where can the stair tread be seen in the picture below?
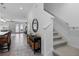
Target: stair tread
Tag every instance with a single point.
(66, 50)
(55, 32)
(59, 42)
(56, 36)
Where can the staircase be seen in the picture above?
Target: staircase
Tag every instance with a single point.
(61, 48)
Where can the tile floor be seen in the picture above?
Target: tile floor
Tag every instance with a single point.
(19, 47)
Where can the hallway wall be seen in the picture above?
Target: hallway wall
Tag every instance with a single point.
(45, 31)
(4, 25)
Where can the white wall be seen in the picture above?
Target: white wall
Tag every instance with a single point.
(46, 33)
(4, 25)
(66, 13)
(69, 12)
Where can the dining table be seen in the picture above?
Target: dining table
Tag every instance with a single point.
(4, 42)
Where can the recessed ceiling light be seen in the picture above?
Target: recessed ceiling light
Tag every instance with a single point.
(21, 8)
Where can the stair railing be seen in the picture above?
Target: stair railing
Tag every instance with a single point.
(65, 24)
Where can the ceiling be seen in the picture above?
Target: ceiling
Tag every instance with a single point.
(15, 10)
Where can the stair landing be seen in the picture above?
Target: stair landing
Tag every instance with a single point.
(66, 51)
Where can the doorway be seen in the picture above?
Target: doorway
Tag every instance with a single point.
(20, 28)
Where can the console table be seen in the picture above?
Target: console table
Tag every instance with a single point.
(35, 42)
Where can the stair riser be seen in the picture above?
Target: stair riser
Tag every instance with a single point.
(55, 54)
(55, 34)
(58, 38)
(58, 45)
